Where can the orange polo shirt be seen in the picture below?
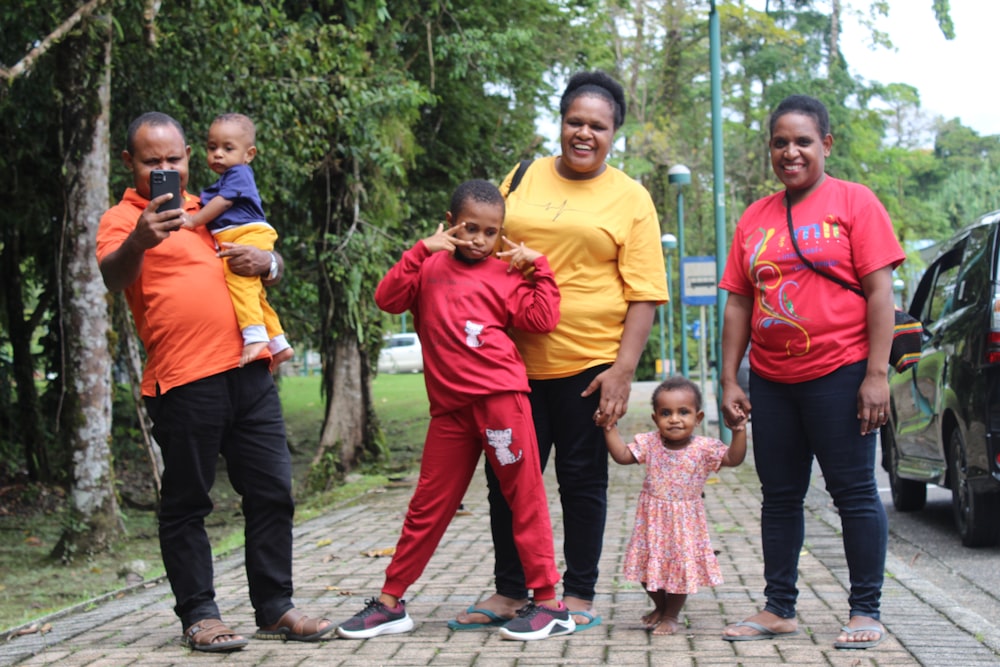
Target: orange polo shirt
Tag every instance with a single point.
(180, 302)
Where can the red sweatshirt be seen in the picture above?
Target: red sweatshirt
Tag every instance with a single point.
(461, 312)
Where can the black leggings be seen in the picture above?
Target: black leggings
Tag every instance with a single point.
(565, 420)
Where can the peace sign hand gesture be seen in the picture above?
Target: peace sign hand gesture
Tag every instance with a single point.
(444, 239)
(521, 256)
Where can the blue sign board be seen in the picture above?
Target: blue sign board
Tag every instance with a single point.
(699, 284)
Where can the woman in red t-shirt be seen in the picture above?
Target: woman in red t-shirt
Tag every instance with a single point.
(810, 284)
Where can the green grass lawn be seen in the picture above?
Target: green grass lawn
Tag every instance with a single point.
(33, 585)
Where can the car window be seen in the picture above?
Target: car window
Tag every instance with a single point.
(941, 299)
(402, 341)
(974, 273)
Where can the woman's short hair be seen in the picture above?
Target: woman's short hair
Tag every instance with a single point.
(803, 104)
(595, 83)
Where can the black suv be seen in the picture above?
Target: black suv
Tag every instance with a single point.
(944, 425)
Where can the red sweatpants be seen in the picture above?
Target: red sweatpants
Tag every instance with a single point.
(501, 426)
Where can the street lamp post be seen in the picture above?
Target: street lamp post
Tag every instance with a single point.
(669, 242)
(679, 176)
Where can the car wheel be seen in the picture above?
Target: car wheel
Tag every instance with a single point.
(975, 512)
(907, 495)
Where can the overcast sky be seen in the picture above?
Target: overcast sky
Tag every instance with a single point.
(956, 79)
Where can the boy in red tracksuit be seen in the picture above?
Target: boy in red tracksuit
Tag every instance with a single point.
(463, 300)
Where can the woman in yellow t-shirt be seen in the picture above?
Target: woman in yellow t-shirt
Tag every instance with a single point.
(599, 229)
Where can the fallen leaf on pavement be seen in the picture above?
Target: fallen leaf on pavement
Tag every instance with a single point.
(376, 553)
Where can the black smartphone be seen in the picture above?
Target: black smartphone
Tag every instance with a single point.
(162, 181)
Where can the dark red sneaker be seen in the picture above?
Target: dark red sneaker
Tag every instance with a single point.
(376, 619)
(537, 622)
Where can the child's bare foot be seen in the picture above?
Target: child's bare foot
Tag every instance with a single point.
(668, 626)
(652, 619)
(281, 357)
(251, 352)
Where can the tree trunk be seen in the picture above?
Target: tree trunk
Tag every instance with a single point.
(346, 423)
(833, 62)
(129, 343)
(348, 427)
(28, 428)
(86, 86)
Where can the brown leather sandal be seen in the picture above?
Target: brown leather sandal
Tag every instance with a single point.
(295, 626)
(202, 635)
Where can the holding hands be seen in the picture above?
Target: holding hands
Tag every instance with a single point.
(735, 407)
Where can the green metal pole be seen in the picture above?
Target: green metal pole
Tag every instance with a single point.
(663, 346)
(685, 370)
(718, 185)
(670, 315)
(679, 176)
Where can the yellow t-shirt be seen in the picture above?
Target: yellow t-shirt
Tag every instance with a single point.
(602, 239)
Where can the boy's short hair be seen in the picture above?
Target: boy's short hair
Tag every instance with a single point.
(242, 120)
(475, 190)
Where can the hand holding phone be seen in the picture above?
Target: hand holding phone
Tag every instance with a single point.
(162, 181)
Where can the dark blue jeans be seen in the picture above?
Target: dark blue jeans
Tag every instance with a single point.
(236, 414)
(563, 419)
(792, 423)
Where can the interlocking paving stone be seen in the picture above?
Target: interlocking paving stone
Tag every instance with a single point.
(926, 626)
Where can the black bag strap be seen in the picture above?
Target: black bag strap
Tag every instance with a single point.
(809, 264)
(518, 175)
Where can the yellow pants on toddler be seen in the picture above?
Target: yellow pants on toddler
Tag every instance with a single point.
(258, 321)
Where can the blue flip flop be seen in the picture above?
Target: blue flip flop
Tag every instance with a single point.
(494, 621)
(591, 620)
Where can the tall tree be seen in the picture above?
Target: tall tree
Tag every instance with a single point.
(82, 50)
(85, 80)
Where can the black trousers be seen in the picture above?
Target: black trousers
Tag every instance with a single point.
(236, 414)
(564, 420)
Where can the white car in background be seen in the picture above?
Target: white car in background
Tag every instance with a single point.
(401, 354)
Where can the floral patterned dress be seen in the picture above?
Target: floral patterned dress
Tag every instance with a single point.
(670, 549)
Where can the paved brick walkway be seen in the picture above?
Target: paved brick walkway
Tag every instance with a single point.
(333, 577)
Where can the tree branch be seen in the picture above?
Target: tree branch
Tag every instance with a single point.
(27, 62)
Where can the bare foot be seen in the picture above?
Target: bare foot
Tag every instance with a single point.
(251, 352)
(772, 623)
(652, 619)
(281, 357)
(502, 606)
(667, 626)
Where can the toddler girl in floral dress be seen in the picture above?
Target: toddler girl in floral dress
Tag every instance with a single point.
(670, 551)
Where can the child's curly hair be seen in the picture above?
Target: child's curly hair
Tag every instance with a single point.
(678, 382)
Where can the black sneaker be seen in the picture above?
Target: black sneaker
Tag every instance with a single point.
(376, 619)
(537, 622)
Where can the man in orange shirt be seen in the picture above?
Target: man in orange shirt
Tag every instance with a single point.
(202, 402)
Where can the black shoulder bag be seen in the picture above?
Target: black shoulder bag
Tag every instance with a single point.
(518, 175)
(907, 334)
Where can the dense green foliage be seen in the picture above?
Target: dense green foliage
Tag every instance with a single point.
(370, 112)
